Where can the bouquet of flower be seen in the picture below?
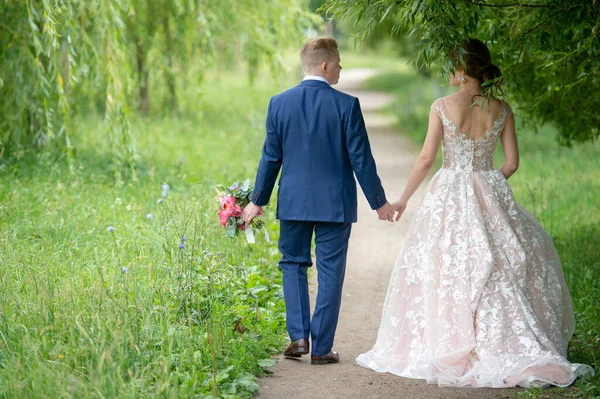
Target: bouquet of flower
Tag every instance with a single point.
(233, 200)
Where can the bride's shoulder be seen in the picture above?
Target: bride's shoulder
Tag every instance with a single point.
(439, 102)
(506, 105)
(445, 100)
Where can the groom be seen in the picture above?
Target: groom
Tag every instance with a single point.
(317, 137)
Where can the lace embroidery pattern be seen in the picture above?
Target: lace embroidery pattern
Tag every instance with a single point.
(465, 153)
(477, 296)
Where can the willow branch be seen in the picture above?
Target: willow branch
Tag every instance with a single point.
(523, 5)
(8, 28)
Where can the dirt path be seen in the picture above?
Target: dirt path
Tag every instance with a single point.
(374, 246)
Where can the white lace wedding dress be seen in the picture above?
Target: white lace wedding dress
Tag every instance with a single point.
(477, 297)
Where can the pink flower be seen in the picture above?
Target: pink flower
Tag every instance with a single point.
(237, 211)
(223, 217)
(228, 205)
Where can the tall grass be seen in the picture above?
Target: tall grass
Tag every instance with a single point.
(110, 289)
(559, 186)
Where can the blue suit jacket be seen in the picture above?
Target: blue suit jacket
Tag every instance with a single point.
(316, 135)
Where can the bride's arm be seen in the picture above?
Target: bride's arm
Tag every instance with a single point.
(423, 163)
(510, 148)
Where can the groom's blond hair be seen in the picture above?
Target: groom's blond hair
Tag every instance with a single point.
(317, 50)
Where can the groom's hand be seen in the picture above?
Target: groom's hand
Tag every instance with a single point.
(386, 212)
(250, 212)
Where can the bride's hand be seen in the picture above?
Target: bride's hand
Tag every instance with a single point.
(399, 206)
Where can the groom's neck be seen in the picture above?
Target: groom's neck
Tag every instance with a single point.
(315, 73)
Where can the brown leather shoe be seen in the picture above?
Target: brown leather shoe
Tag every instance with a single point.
(297, 348)
(331, 357)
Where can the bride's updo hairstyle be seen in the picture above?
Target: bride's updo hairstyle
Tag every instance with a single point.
(476, 61)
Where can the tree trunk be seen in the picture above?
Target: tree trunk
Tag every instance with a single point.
(140, 55)
(172, 99)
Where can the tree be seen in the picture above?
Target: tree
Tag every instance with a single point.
(548, 49)
(59, 54)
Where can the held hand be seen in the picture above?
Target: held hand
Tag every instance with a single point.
(250, 212)
(386, 212)
(399, 206)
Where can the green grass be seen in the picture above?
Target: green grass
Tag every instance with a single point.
(75, 323)
(559, 186)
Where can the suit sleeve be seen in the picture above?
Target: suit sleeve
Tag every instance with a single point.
(361, 158)
(270, 164)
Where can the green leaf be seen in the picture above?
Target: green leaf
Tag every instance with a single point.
(223, 375)
(229, 388)
(264, 363)
(247, 381)
(258, 289)
(231, 227)
(386, 13)
(246, 185)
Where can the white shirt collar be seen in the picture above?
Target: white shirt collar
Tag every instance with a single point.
(313, 77)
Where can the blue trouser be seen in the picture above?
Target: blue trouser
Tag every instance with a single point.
(331, 241)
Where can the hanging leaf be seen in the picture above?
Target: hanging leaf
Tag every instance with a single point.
(553, 43)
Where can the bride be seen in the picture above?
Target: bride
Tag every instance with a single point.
(477, 297)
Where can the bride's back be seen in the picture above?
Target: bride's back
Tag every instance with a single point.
(472, 120)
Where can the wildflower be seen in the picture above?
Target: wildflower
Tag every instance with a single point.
(165, 188)
(149, 216)
(118, 201)
(181, 246)
(110, 228)
(61, 356)
(125, 269)
(159, 201)
(183, 239)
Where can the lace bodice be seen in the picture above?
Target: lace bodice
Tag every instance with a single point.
(462, 153)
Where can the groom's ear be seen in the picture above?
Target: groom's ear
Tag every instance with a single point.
(324, 66)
